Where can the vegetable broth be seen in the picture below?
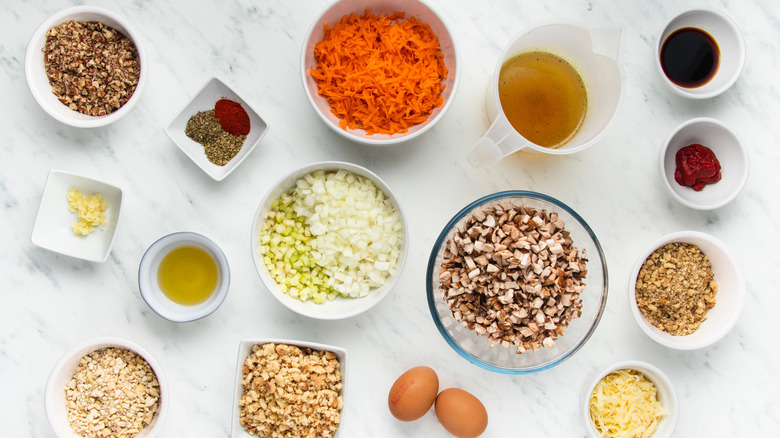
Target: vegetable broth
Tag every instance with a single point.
(543, 96)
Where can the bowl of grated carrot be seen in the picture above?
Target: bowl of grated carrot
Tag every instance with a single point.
(379, 72)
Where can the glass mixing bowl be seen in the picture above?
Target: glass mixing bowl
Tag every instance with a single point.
(476, 348)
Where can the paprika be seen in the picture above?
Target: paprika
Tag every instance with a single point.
(232, 117)
(697, 166)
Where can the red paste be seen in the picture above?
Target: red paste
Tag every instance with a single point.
(697, 166)
(232, 117)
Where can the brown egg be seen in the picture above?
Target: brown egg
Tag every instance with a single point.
(462, 414)
(412, 395)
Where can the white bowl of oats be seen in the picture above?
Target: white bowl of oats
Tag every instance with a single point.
(309, 379)
(71, 85)
(686, 290)
(100, 366)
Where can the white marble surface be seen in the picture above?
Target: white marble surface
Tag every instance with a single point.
(51, 302)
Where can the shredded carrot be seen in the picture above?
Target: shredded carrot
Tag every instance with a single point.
(380, 73)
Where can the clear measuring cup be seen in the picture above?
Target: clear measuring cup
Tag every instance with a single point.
(594, 51)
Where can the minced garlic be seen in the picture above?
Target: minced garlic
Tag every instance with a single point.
(91, 211)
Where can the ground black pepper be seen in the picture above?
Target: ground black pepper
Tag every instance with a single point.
(220, 146)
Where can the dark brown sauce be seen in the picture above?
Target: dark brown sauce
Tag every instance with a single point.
(690, 57)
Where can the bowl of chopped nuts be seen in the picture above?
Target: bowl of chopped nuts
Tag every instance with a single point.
(71, 84)
(264, 404)
(380, 73)
(329, 240)
(686, 290)
(84, 383)
(517, 282)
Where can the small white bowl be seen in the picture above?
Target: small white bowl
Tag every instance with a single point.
(204, 100)
(730, 296)
(38, 82)
(53, 225)
(412, 8)
(245, 349)
(666, 395)
(340, 307)
(730, 43)
(150, 287)
(62, 373)
(728, 148)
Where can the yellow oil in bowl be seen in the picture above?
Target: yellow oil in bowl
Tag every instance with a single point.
(188, 275)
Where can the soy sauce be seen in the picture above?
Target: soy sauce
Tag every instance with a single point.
(690, 57)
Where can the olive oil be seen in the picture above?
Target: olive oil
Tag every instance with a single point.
(543, 96)
(187, 275)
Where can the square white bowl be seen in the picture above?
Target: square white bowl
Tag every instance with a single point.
(245, 348)
(53, 228)
(65, 368)
(204, 100)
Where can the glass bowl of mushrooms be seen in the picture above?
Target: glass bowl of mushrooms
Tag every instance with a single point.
(517, 282)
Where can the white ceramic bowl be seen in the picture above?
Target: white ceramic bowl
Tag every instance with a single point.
(730, 296)
(730, 42)
(412, 8)
(150, 287)
(728, 148)
(666, 395)
(35, 71)
(62, 373)
(340, 307)
(53, 225)
(204, 100)
(245, 348)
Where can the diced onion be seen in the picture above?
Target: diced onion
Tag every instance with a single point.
(625, 404)
(335, 233)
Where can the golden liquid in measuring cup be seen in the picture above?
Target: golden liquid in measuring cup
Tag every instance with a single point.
(543, 96)
(187, 275)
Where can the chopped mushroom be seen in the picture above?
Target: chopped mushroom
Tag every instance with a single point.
(512, 274)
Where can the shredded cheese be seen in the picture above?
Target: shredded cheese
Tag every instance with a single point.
(91, 211)
(624, 404)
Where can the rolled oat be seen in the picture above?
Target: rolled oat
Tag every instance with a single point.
(114, 393)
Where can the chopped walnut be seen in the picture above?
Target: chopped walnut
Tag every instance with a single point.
(291, 392)
(512, 274)
(675, 288)
(92, 68)
(114, 393)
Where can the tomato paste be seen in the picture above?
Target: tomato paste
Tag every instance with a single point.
(697, 166)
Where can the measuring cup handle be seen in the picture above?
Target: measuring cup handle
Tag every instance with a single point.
(491, 148)
(485, 153)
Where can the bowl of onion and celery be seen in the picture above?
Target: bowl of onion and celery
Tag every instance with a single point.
(329, 240)
(378, 72)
